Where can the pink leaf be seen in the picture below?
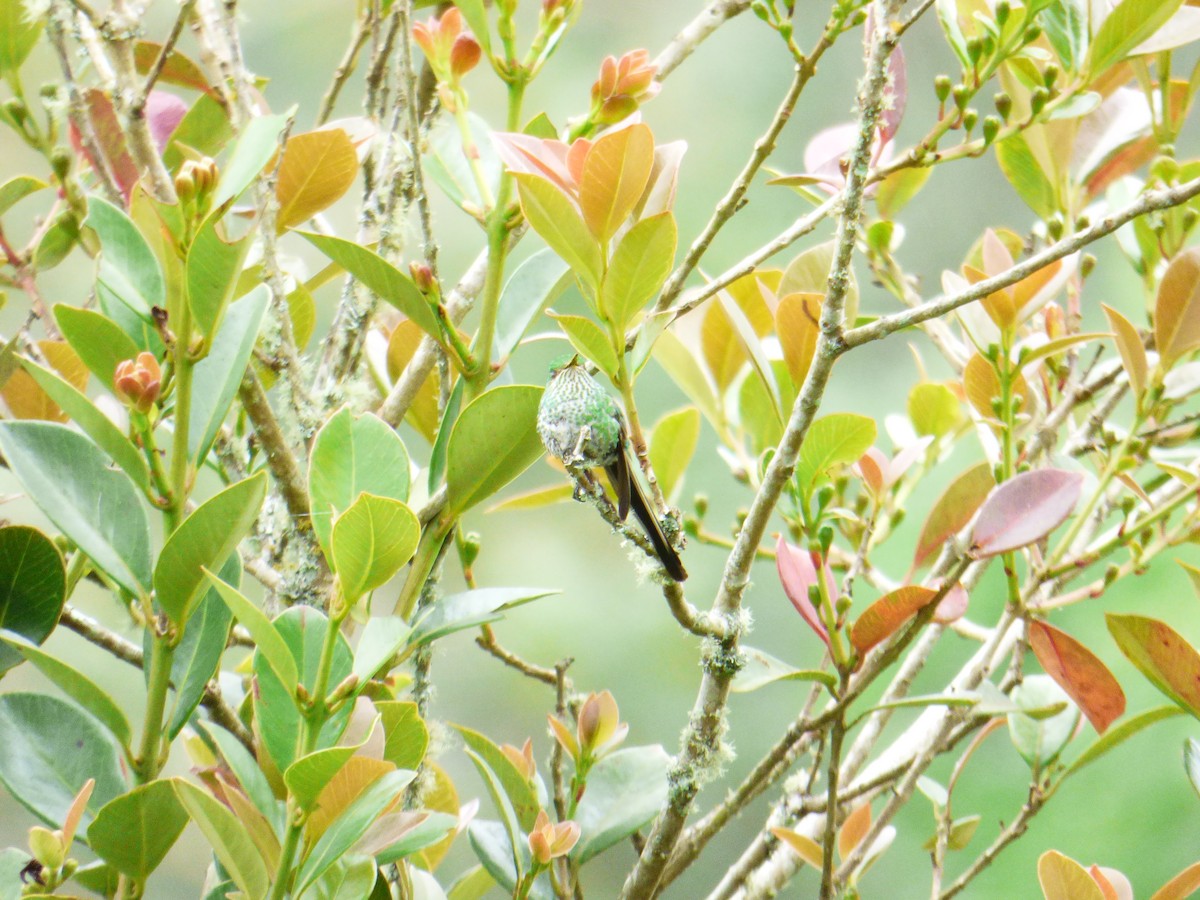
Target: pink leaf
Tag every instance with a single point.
(797, 574)
(1025, 509)
(163, 113)
(953, 606)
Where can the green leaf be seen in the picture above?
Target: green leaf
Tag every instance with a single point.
(934, 409)
(211, 271)
(831, 441)
(672, 444)
(1130, 23)
(77, 686)
(205, 539)
(494, 848)
(808, 273)
(352, 455)
(228, 837)
(448, 167)
(12, 862)
(760, 668)
(508, 815)
(1041, 740)
(33, 589)
(198, 655)
(49, 748)
(534, 285)
(639, 266)
(556, 219)
(268, 642)
(1191, 760)
(92, 421)
(1066, 25)
(680, 363)
(98, 508)
(494, 440)
(128, 271)
(308, 775)
(351, 825)
(1026, 175)
(19, 32)
(256, 147)
(441, 442)
(350, 878)
(590, 340)
(382, 638)
(379, 276)
(405, 736)
(18, 188)
(216, 378)
(133, 832)
(246, 769)
(303, 631)
(100, 342)
(476, 17)
(371, 541)
(625, 790)
(204, 129)
(431, 830)
(1120, 734)
(520, 793)
(1162, 655)
(469, 609)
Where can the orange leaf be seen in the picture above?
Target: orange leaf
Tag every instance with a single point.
(1129, 345)
(805, 847)
(402, 346)
(1177, 309)
(1062, 878)
(854, 829)
(1000, 305)
(982, 386)
(25, 400)
(797, 321)
(318, 168)
(1162, 655)
(615, 173)
(1079, 672)
(883, 617)
(1182, 885)
(358, 774)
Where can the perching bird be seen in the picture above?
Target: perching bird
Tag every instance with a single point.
(582, 425)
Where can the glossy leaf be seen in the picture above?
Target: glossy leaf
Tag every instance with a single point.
(227, 836)
(346, 786)
(1079, 672)
(133, 832)
(1025, 509)
(352, 824)
(318, 167)
(204, 540)
(885, 616)
(246, 771)
(1130, 23)
(1040, 738)
(625, 790)
(92, 421)
(33, 589)
(760, 668)
(1162, 655)
(589, 340)
(672, 444)
(834, 440)
(494, 848)
(379, 276)
(352, 455)
(255, 147)
(1177, 309)
(381, 639)
(521, 794)
(98, 340)
(953, 510)
(809, 273)
(536, 283)
(128, 271)
(798, 324)
(98, 508)
(77, 686)
(217, 377)
(211, 272)
(638, 268)
(470, 609)
(371, 541)
(308, 775)
(494, 440)
(1062, 878)
(197, 657)
(49, 749)
(268, 642)
(556, 219)
(1026, 175)
(615, 172)
(405, 736)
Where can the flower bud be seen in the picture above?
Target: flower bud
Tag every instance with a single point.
(970, 117)
(941, 87)
(961, 95)
(1003, 105)
(1037, 100)
(548, 841)
(136, 382)
(422, 276)
(991, 127)
(471, 544)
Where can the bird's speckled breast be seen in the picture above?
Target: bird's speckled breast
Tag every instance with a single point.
(571, 401)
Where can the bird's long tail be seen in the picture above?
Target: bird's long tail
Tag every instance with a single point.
(631, 497)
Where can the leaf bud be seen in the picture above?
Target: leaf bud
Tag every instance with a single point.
(1054, 227)
(471, 544)
(825, 537)
(422, 276)
(16, 109)
(465, 54)
(1037, 100)
(991, 127)
(599, 727)
(548, 841)
(521, 759)
(941, 87)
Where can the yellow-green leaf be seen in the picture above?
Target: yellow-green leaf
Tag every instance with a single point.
(589, 339)
(639, 266)
(371, 541)
(672, 444)
(1129, 345)
(1062, 878)
(557, 221)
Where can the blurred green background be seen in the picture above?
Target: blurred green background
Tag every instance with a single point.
(1133, 811)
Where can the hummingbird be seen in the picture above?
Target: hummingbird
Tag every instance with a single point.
(581, 424)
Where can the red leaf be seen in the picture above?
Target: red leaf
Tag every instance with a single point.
(1025, 509)
(1162, 655)
(883, 617)
(1079, 672)
(797, 573)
